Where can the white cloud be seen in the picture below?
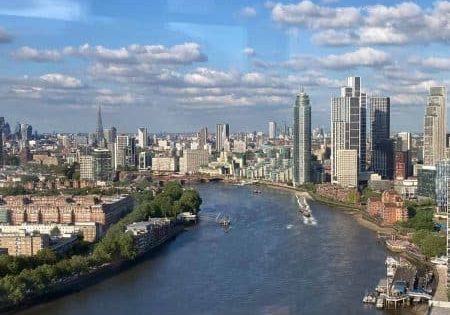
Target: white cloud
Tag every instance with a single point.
(210, 77)
(185, 53)
(438, 63)
(250, 52)
(32, 54)
(306, 13)
(58, 80)
(247, 12)
(362, 57)
(334, 38)
(398, 24)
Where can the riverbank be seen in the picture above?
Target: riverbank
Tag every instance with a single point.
(83, 281)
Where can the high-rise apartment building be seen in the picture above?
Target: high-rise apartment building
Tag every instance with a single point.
(348, 125)
(142, 138)
(272, 130)
(435, 126)
(347, 173)
(382, 158)
(222, 136)
(302, 139)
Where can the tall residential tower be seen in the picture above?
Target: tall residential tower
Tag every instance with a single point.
(435, 126)
(382, 161)
(302, 139)
(348, 126)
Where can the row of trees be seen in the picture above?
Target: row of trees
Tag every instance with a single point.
(26, 276)
(431, 244)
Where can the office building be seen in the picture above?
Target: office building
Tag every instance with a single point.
(222, 135)
(142, 138)
(272, 130)
(102, 167)
(302, 139)
(192, 160)
(86, 167)
(382, 147)
(426, 182)
(435, 126)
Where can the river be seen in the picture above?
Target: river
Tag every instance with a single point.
(268, 263)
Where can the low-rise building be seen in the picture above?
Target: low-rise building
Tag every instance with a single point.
(389, 208)
(148, 234)
(22, 243)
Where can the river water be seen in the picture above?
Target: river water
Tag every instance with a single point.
(270, 262)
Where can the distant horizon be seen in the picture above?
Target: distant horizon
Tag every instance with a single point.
(185, 63)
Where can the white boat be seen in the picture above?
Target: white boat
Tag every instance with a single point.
(303, 206)
(380, 302)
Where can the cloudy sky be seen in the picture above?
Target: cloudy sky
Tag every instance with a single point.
(177, 65)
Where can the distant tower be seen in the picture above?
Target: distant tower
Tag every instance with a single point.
(99, 133)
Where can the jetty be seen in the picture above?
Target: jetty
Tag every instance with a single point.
(402, 286)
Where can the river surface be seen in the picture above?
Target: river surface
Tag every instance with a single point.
(270, 262)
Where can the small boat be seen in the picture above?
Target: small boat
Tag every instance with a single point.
(380, 302)
(370, 298)
(256, 191)
(303, 207)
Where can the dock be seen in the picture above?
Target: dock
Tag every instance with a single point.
(402, 287)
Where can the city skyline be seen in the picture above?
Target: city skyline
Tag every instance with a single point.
(213, 62)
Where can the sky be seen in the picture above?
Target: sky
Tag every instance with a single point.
(179, 65)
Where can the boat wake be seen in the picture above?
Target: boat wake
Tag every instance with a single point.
(305, 211)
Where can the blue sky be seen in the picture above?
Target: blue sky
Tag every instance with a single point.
(178, 65)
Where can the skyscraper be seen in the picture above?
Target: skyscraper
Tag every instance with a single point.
(435, 126)
(272, 130)
(348, 125)
(382, 161)
(222, 135)
(110, 135)
(202, 138)
(99, 132)
(302, 139)
(142, 138)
